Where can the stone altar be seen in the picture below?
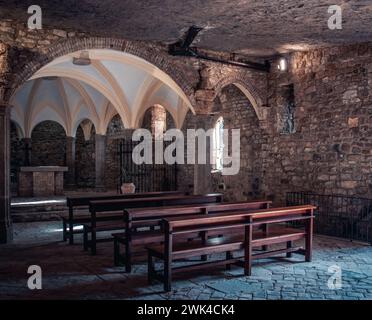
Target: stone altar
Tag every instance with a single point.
(41, 181)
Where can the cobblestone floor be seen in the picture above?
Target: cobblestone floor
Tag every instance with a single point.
(70, 273)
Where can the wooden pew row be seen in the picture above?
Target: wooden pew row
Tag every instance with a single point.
(102, 206)
(79, 202)
(152, 216)
(178, 227)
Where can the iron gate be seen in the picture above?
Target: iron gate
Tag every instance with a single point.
(338, 215)
(146, 177)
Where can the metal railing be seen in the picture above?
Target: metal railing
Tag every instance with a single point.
(146, 177)
(337, 215)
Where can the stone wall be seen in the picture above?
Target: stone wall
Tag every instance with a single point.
(331, 149)
(48, 145)
(238, 113)
(85, 161)
(16, 155)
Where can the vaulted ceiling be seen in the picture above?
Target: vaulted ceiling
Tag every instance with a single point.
(258, 27)
(113, 83)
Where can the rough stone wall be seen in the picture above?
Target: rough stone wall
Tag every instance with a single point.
(4, 69)
(331, 150)
(48, 145)
(115, 130)
(16, 156)
(85, 161)
(185, 172)
(238, 113)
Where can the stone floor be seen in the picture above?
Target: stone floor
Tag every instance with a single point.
(70, 273)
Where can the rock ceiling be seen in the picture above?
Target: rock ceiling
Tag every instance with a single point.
(257, 27)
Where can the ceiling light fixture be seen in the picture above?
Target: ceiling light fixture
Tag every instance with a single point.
(283, 64)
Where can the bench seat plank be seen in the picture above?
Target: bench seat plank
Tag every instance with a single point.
(232, 243)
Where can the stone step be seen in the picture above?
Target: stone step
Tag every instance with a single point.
(38, 208)
(32, 210)
(29, 216)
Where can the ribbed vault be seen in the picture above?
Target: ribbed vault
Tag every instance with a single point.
(112, 83)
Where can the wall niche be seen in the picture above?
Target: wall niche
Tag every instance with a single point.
(286, 112)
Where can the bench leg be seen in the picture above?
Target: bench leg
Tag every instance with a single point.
(85, 239)
(265, 229)
(228, 257)
(204, 237)
(116, 252)
(289, 246)
(168, 256)
(150, 268)
(64, 228)
(309, 240)
(248, 250)
(93, 242)
(128, 256)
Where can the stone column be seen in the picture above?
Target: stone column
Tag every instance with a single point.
(70, 162)
(6, 233)
(202, 172)
(27, 152)
(100, 156)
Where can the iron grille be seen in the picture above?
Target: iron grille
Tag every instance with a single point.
(337, 215)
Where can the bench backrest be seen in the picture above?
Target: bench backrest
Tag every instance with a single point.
(77, 201)
(207, 208)
(227, 219)
(122, 204)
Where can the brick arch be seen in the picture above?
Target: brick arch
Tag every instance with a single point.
(254, 95)
(70, 45)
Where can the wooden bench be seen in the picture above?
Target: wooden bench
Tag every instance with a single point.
(102, 206)
(174, 249)
(152, 216)
(82, 202)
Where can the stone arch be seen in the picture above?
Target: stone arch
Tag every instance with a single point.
(114, 124)
(18, 128)
(33, 121)
(141, 50)
(244, 84)
(162, 103)
(86, 125)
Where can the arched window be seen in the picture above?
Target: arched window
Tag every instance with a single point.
(218, 145)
